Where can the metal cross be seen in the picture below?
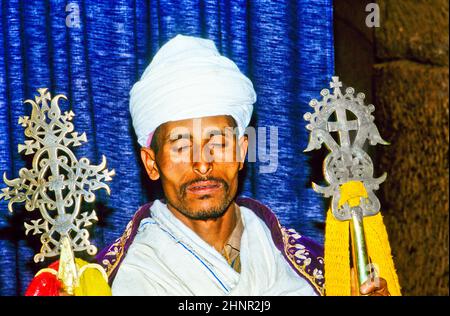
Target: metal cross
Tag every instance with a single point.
(346, 161)
(343, 127)
(58, 182)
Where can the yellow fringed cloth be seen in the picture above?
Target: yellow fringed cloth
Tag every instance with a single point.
(337, 246)
(93, 280)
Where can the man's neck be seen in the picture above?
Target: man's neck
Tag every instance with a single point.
(214, 231)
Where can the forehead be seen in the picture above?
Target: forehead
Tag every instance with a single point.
(205, 122)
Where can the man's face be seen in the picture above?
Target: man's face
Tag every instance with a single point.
(198, 161)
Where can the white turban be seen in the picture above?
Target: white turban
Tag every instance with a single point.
(186, 79)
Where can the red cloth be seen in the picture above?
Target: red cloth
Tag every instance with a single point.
(45, 284)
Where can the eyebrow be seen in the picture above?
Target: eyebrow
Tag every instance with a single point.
(179, 136)
(212, 132)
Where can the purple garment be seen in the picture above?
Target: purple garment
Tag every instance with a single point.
(303, 254)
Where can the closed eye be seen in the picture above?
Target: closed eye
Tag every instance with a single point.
(181, 146)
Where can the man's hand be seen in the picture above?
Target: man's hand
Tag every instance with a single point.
(374, 287)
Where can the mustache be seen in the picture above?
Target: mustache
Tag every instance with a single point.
(184, 186)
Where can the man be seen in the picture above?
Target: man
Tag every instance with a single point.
(201, 240)
(189, 111)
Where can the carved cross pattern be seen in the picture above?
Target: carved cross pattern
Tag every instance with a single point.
(342, 126)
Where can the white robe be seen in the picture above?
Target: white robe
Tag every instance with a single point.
(168, 258)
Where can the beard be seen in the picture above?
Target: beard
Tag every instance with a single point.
(216, 205)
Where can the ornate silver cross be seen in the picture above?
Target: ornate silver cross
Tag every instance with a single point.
(347, 160)
(57, 182)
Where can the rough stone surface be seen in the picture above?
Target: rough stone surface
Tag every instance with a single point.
(412, 113)
(413, 29)
(354, 42)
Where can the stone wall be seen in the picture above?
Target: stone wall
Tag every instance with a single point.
(411, 98)
(402, 66)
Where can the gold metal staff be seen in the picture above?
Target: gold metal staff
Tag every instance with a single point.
(57, 184)
(347, 163)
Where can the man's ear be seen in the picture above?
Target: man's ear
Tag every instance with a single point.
(242, 150)
(149, 159)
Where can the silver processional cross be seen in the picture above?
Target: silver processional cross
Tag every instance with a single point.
(56, 185)
(347, 160)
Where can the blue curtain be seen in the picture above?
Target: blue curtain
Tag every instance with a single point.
(284, 46)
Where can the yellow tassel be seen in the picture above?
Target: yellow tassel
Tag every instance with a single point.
(337, 257)
(380, 252)
(337, 247)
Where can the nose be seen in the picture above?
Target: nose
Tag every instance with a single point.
(203, 167)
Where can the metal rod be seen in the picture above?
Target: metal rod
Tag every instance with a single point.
(67, 271)
(359, 248)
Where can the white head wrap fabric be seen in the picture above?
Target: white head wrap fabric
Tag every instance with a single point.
(186, 79)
